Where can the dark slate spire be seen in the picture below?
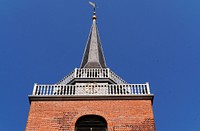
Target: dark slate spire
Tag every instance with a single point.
(93, 56)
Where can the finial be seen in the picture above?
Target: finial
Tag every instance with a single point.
(94, 13)
(94, 16)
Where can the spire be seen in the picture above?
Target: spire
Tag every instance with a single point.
(93, 56)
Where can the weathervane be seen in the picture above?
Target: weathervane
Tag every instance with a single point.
(94, 13)
(93, 5)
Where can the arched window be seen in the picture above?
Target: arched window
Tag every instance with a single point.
(91, 123)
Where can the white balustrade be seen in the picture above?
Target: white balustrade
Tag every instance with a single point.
(91, 89)
(92, 73)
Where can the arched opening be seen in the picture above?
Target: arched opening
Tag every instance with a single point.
(91, 123)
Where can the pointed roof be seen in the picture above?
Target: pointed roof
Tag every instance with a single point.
(93, 56)
(93, 67)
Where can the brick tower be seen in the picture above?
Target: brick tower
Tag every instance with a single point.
(91, 98)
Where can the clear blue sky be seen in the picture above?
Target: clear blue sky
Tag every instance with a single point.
(156, 41)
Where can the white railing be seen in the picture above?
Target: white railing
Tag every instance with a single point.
(91, 89)
(92, 73)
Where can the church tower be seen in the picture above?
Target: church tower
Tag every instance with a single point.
(91, 98)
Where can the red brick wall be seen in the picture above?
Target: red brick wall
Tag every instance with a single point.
(121, 115)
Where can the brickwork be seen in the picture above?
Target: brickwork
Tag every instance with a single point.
(121, 115)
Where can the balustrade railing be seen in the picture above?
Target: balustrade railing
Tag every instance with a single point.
(91, 89)
(92, 73)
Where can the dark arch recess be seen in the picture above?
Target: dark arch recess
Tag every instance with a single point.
(91, 123)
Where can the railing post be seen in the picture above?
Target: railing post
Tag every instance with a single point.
(47, 90)
(50, 90)
(75, 75)
(41, 90)
(108, 72)
(34, 89)
(148, 89)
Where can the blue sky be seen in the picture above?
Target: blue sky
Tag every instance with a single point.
(155, 41)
